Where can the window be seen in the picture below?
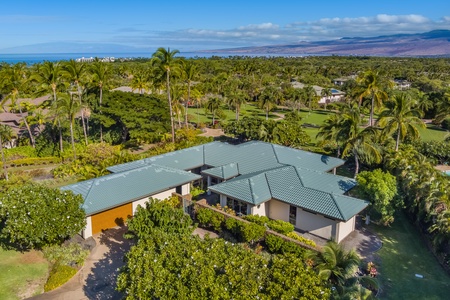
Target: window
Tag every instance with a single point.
(292, 214)
(238, 206)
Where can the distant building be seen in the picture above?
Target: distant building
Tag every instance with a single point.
(336, 95)
(402, 84)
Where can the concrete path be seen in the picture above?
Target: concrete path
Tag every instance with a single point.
(97, 279)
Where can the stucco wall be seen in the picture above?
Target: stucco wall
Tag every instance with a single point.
(87, 231)
(186, 189)
(262, 210)
(279, 210)
(345, 228)
(316, 224)
(159, 196)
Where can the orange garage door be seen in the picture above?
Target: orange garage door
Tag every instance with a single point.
(110, 218)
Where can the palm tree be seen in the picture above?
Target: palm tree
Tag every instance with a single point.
(140, 81)
(100, 72)
(213, 105)
(326, 92)
(400, 118)
(169, 65)
(13, 80)
(69, 107)
(76, 73)
(357, 141)
(48, 76)
(190, 73)
(329, 131)
(310, 94)
(268, 99)
(6, 134)
(443, 107)
(373, 85)
(338, 266)
(235, 99)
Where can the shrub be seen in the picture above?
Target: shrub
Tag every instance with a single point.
(251, 232)
(273, 243)
(204, 216)
(260, 220)
(232, 225)
(195, 192)
(217, 220)
(69, 255)
(291, 247)
(280, 226)
(59, 275)
(446, 124)
(301, 239)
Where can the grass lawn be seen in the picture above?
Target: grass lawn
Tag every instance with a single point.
(22, 274)
(433, 133)
(403, 255)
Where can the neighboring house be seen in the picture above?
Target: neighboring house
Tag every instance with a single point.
(252, 178)
(336, 95)
(402, 84)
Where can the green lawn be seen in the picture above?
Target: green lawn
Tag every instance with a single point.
(403, 255)
(21, 272)
(433, 133)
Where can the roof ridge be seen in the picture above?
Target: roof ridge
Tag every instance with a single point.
(251, 190)
(268, 184)
(337, 205)
(299, 177)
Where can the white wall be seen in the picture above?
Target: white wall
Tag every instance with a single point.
(186, 189)
(87, 231)
(345, 228)
(261, 209)
(223, 200)
(159, 196)
(316, 224)
(279, 210)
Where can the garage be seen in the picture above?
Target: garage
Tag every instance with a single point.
(111, 218)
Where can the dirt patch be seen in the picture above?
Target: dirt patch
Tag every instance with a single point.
(32, 257)
(212, 132)
(32, 288)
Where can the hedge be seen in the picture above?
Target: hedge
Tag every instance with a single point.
(59, 275)
(31, 161)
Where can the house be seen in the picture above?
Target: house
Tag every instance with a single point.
(336, 95)
(252, 178)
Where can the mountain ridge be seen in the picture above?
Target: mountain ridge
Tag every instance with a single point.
(431, 43)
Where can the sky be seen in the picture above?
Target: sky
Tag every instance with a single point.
(214, 24)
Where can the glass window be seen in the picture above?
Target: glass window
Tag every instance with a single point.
(292, 215)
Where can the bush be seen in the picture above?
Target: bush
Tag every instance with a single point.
(209, 218)
(280, 226)
(274, 243)
(232, 225)
(68, 255)
(195, 192)
(301, 239)
(59, 275)
(260, 220)
(446, 124)
(251, 232)
(31, 161)
(291, 247)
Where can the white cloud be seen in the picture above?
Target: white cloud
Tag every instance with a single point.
(269, 33)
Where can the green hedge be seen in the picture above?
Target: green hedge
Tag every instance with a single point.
(59, 275)
(301, 239)
(276, 244)
(32, 161)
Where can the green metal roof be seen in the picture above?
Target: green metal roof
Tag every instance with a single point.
(116, 189)
(224, 172)
(314, 191)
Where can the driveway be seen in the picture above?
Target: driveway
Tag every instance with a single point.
(97, 278)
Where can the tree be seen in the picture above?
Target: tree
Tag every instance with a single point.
(326, 92)
(357, 141)
(76, 73)
(443, 107)
(6, 134)
(48, 77)
(310, 94)
(190, 73)
(169, 65)
(140, 81)
(268, 99)
(13, 80)
(380, 188)
(373, 84)
(33, 216)
(69, 107)
(400, 118)
(100, 75)
(329, 131)
(338, 266)
(213, 106)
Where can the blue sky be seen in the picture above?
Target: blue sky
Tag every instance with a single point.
(196, 25)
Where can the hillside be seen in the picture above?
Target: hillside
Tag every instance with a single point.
(433, 43)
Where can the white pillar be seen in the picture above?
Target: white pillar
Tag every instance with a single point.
(208, 184)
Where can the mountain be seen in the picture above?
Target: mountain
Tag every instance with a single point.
(66, 47)
(433, 43)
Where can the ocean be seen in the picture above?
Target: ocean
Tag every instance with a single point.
(40, 57)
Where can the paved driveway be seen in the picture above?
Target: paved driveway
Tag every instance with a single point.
(97, 279)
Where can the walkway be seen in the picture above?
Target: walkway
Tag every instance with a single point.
(97, 278)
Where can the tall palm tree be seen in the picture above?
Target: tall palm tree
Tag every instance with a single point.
(235, 99)
(357, 141)
(13, 80)
(213, 105)
(326, 92)
(76, 73)
(310, 94)
(190, 73)
(100, 73)
(69, 107)
(400, 118)
(140, 81)
(169, 65)
(6, 134)
(268, 99)
(374, 85)
(48, 77)
(329, 131)
(443, 107)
